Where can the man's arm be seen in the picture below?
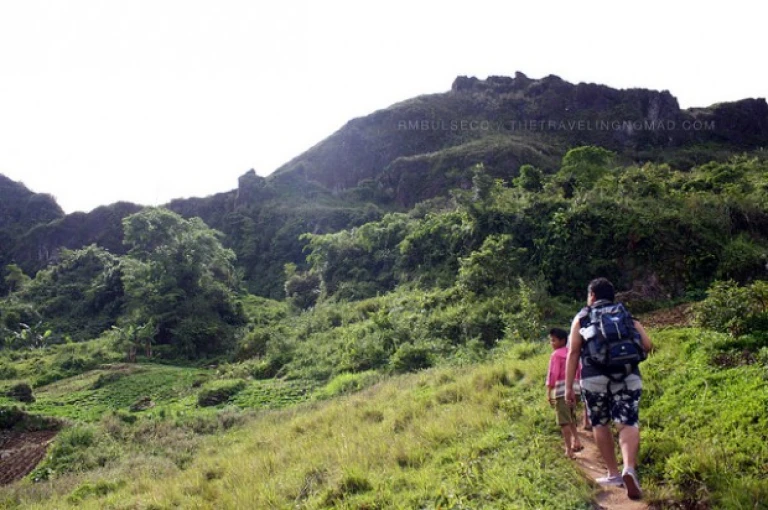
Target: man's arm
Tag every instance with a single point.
(644, 338)
(572, 363)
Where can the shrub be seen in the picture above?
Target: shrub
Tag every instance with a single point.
(302, 289)
(7, 371)
(78, 448)
(348, 383)
(257, 368)
(219, 392)
(21, 392)
(88, 489)
(253, 344)
(409, 357)
(732, 309)
(10, 417)
(142, 404)
(105, 379)
(742, 259)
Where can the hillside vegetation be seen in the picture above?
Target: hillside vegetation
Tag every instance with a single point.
(453, 437)
(374, 337)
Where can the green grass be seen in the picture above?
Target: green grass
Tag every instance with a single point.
(40, 367)
(444, 438)
(467, 436)
(274, 394)
(75, 398)
(706, 438)
(90, 396)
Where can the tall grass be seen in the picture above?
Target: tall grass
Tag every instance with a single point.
(443, 438)
(466, 436)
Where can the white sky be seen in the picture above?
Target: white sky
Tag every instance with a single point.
(149, 100)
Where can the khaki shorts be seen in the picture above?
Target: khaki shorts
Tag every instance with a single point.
(565, 414)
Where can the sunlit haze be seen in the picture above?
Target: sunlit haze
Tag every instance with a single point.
(145, 101)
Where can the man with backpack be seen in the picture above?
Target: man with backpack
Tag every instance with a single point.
(610, 344)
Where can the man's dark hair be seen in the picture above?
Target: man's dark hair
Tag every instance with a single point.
(602, 288)
(559, 333)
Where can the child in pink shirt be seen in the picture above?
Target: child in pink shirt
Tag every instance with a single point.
(566, 417)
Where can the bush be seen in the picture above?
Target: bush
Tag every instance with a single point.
(105, 379)
(15, 418)
(253, 344)
(88, 489)
(742, 260)
(78, 448)
(302, 289)
(8, 371)
(21, 392)
(219, 392)
(409, 358)
(732, 309)
(257, 368)
(10, 417)
(142, 404)
(348, 383)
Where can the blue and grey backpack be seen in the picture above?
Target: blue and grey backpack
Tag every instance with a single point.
(612, 345)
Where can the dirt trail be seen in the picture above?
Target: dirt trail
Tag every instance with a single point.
(676, 317)
(20, 452)
(589, 461)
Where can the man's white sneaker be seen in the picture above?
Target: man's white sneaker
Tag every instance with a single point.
(615, 480)
(632, 484)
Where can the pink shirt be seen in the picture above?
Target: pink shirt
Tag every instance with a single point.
(556, 372)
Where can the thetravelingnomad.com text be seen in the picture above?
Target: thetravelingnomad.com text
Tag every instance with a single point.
(554, 125)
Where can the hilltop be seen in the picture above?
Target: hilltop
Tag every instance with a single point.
(412, 151)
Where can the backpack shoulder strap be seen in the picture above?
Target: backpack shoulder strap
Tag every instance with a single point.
(585, 316)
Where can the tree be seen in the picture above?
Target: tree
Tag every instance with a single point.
(498, 263)
(132, 337)
(82, 295)
(530, 179)
(180, 279)
(302, 288)
(15, 278)
(583, 166)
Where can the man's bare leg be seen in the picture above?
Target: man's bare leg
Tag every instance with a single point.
(604, 439)
(629, 440)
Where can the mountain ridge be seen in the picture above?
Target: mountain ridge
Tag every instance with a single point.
(409, 152)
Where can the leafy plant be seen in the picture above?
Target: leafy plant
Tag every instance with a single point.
(218, 392)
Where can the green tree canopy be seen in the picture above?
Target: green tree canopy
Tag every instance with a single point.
(80, 296)
(180, 280)
(583, 166)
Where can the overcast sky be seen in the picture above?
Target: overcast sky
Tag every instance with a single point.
(149, 100)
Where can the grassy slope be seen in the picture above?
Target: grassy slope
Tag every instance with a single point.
(706, 416)
(456, 437)
(450, 437)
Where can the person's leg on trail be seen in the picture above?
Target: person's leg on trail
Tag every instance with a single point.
(625, 412)
(597, 400)
(587, 424)
(629, 441)
(579, 403)
(568, 438)
(604, 439)
(576, 445)
(566, 419)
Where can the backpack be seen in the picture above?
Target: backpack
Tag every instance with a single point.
(612, 344)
